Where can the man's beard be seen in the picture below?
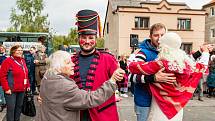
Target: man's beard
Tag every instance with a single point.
(87, 50)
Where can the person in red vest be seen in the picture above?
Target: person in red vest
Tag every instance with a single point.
(92, 67)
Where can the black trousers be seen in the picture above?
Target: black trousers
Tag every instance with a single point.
(14, 105)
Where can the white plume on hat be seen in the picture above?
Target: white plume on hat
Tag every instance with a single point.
(171, 39)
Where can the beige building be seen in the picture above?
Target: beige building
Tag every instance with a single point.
(129, 19)
(210, 22)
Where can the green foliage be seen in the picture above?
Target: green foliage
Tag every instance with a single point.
(57, 40)
(73, 36)
(100, 42)
(30, 18)
(11, 29)
(70, 39)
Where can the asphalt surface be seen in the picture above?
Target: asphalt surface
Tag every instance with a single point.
(194, 111)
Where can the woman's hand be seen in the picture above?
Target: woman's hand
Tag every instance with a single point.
(36, 61)
(118, 75)
(39, 99)
(8, 92)
(28, 89)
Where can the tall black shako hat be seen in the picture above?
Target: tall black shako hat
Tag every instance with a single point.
(88, 22)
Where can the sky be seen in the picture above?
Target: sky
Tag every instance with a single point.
(62, 12)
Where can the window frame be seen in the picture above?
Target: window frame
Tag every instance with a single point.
(141, 22)
(212, 32)
(185, 23)
(187, 47)
(212, 11)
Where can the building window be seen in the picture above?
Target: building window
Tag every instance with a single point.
(212, 13)
(134, 40)
(187, 47)
(141, 22)
(184, 24)
(107, 27)
(213, 32)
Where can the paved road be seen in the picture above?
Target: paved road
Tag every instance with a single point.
(194, 111)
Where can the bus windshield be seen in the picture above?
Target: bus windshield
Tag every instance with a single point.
(25, 39)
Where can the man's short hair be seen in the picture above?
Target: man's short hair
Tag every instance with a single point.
(41, 39)
(156, 26)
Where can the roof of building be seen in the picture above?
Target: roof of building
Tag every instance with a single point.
(211, 3)
(138, 3)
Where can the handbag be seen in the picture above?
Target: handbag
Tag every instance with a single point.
(28, 107)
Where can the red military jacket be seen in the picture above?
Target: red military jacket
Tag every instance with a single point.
(101, 69)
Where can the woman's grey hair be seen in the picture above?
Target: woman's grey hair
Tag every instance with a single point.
(40, 47)
(57, 60)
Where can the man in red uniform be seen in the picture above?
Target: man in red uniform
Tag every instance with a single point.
(93, 68)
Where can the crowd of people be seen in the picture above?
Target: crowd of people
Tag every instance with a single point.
(81, 86)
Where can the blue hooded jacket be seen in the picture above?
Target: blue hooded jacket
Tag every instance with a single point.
(142, 95)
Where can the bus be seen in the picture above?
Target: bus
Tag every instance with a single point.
(25, 39)
(73, 48)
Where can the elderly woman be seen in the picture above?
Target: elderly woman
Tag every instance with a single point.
(61, 97)
(14, 81)
(40, 64)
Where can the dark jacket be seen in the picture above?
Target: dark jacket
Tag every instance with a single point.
(211, 76)
(29, 59)
(2, 58)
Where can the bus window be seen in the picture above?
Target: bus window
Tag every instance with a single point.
(74, 48)
(25, 39)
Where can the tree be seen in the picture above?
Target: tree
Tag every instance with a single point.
(70, 39)
(30, 18)
(73, 36)
(100, 42)
(57, 41)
